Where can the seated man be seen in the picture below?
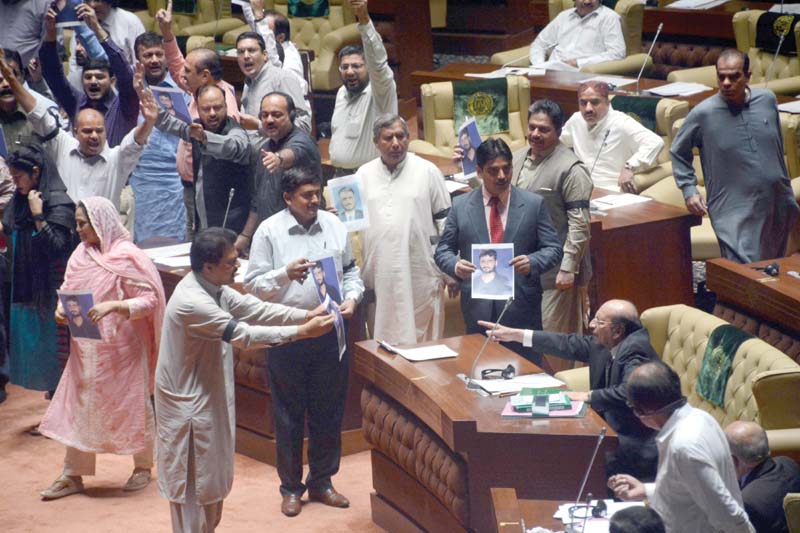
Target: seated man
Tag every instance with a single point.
(590, 33)
(612, 145)
(619, 343)
(765, 480)
(696, 490)
(636, 520)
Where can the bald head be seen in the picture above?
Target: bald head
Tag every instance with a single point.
(202, 67)
(90, 131)
(653, 386)
(614, 321)
(748, 442)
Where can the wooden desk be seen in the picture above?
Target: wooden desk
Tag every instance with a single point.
(776, 300)
(255, 427)
(698, 24)
(540, 458)
(561, 87)
(642, 253)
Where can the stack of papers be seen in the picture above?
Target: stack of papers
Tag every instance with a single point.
(696, 4)
(508, 71)
(611, 201)
(514, 385)
(680, 88)
(426, 353)
(576, 410)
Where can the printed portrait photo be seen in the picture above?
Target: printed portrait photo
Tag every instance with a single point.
(76, 306)
(494, 277)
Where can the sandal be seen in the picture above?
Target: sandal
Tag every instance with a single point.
(63, 486)
(138, 480)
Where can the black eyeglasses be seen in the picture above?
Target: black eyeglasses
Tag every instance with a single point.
(504, 373)
(667, 408)
(583, 511)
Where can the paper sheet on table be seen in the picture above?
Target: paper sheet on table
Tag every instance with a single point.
(182, 261)
(695, 4)
(788, 9)
(533, 381)
(507, 71)
(168, 251)
(790, 107)
(453, 185)
(611, 80)
(563, 511)
(680, 88)
(425, 353)
(611, 201)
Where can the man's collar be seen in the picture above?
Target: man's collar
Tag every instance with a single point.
(574, 13)
(296, 228)
(260, 75)
(502, 197)
(541, 157)
(92, 159)
(672, 421)
(16, 114)
(398, 169)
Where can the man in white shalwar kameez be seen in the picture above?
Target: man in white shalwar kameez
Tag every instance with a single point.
(407, 202)
(194, 387)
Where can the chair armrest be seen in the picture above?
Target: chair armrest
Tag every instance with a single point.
(647, 178)
(324, 71)
(211, 28)
(518, 57)
(785, 86)
(774, 391)
(577, 379)
(628, 66)
(419, 146)
(791, 508)
(706, 75)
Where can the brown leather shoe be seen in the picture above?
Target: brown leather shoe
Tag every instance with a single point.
(291, 505)
(329, 497)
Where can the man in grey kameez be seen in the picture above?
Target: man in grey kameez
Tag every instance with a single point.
(749, 195)
(550, 169)
(194, 387)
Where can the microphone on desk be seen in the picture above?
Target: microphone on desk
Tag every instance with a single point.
(600, 151)
(775, 56)
(469, 379)
(650, 51)
(600, 438)
(227, 208)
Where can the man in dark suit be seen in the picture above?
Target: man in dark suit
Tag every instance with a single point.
(495, 213)
(618, 344)
(764, 480)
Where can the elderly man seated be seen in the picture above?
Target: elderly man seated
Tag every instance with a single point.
(590, 33)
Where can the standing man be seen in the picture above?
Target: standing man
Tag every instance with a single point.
(221, 162)
(201, 67)
(274, 27)
(262, 78)
(611, 144)
(764, 480)
(618, 344)
(194, 388)
(589, 34)
(307, 376)
(157, 189)
(120, 110)
(407, 203)
(748, 194)
(696, 490)
(494, 213)
(368, 91)
(286, 146)
(552, 170)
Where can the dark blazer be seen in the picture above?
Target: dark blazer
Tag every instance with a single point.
(529, 227)
(764, 490)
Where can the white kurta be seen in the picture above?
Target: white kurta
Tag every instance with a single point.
(628, 142)
(407, 210)
(194, 387)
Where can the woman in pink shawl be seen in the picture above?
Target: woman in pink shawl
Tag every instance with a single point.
(102, 403)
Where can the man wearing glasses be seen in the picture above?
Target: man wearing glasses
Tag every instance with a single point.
(368, 91)
(618, 344)
(696, 489)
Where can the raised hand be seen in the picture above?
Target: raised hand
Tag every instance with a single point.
(50, 25)
(138, 80)
(5, 70)
(197, 132)
(148, 107)
(360, 9)
(164, 18)
(88, 16)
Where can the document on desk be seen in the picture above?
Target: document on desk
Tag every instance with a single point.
(181, 261)
(168, 251)
(424, 353)
(577, 410)
(790, 107)
(528, 381)
(679, 88)
(507, 71)
(695, 4)
(604, 203)
(611, 80)
(563, 512)
(785, 9)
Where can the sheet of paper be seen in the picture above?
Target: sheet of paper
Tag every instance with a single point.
(611, 201)
(453, 185)
(181, 261)
(790, 107)
(168, 251)
(427, 353)
(507, 386)
(695, 4)
(680, 88)
(611, 80)
(788, 9)
(507, 71)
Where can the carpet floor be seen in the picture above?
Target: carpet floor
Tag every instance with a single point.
(29, 464)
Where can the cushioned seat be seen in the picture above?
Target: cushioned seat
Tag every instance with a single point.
(791, 506)
(439, 122)
(632, 14)
(761, 384)
(785, 76)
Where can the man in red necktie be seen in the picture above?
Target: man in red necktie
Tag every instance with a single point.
(497, 212)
